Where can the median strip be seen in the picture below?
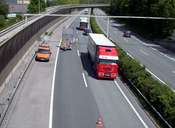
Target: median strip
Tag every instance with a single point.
(158, 94)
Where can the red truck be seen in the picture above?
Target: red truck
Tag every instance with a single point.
(103, 55)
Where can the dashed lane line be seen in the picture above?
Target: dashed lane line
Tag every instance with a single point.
(84, 78)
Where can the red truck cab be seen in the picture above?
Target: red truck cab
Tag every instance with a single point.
(104, 55)
(107, 62)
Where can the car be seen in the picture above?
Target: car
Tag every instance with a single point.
(127, 34)
(43, 54)
(86, 31)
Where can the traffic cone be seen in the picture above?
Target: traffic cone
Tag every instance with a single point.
(99, 123)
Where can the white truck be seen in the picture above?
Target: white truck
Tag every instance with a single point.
(83, 23)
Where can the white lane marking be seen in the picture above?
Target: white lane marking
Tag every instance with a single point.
(78, 52)
(139, 40)
(141, 50)
(53, 87)
(173, 72)
(84, 78)
(130, 55)
(154, 49)
(135, 111)
(171, 58)
(155, 76)
(167, 56)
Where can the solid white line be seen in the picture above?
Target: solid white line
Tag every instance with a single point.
(78, 52)
(154, 49)
(52, 90)
(167, 56)
(137, 114)
(84, 78)
(171, 58)
(130, 55)
(173, 71)
(155, 76)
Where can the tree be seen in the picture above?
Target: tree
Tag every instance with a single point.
(36, 6)
(156, 8)
(67, 1)
(3, 8)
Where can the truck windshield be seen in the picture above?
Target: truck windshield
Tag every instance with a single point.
(84, 24)
(106, 61)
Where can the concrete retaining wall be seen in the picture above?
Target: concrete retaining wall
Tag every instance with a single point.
(13, 45)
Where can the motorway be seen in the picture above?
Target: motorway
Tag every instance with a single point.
(31, 103)
(79, 98)
(159, 64)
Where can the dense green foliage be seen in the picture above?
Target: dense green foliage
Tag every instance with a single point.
(81, 1)
(156, 8)
(67, 1)
(51, 3)
(159, 95)
(4, 22)
(36, 5)
(3, 8)
(93, 1)
(93, 23)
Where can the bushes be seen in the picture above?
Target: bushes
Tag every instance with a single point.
(159, 95)
(93, 23)
(4, 22)
(36, 6)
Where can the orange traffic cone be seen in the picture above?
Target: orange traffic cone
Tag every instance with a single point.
(99, 123)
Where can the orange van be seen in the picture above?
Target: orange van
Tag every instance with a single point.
(43, 54)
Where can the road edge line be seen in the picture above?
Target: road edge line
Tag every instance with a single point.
(155, 76)
(53, 87)
(130, 104)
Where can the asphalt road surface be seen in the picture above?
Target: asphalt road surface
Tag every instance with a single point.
(79, 98)
(31, 103)
(161, 65)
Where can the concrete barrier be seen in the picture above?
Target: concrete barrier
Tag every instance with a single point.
(11, 47)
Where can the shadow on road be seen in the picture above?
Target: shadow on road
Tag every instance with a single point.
(87, 65)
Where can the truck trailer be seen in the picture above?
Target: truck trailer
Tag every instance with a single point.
(103, 55)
